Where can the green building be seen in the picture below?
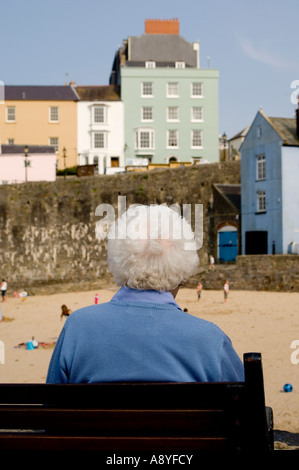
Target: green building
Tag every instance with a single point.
(170, 103)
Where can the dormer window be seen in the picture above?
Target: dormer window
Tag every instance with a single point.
(150, 64)
(180, 64)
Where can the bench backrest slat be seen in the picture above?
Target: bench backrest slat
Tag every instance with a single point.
(114, 444)
(124, 395)
(121, 423)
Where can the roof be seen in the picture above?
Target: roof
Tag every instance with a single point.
(286, 128)
(240, 134)
(232, 193)
(141, 63)
(165, 48)
(40, 93)
(16, 149)
(99, 93)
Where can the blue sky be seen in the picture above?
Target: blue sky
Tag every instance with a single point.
(253, 44)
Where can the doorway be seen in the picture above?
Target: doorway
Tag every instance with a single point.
(227, 245)
(256, 243)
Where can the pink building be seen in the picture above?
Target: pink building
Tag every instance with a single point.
(33, 163)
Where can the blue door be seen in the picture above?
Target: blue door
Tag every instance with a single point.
(228, 246)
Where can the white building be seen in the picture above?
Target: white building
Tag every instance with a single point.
(36, 163)
(101, 128)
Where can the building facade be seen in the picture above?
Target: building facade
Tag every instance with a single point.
(269, 181)
(170, 103)
(101, 128)
(22, 165)
(41, 115)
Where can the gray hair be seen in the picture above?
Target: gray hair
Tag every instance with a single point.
(151, 247)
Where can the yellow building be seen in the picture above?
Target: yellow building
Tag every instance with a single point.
(41, 115)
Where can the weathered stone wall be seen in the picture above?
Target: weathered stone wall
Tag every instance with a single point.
(268, 272)
(278, 273)
(47, 230)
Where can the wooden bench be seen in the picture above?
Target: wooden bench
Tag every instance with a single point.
(138, 416)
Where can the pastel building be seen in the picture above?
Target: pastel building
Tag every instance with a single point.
(101, 128)
(43, 116)
(269, 182)
(19, 164)
(170, 103)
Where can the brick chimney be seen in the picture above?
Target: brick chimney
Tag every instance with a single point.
(162, 26)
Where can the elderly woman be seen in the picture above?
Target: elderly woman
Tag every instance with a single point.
(142, 334)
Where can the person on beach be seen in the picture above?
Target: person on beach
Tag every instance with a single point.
(65, 312)
(198, 290)
(226, 290)
(212, 262)
(142, 334)
(3, 289)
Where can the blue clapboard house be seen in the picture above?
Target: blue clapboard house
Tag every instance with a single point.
(270, 186)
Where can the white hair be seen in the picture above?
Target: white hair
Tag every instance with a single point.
(151, 247)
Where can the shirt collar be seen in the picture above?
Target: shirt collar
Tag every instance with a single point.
(150, 296)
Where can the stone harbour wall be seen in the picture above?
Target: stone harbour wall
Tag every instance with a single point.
(47, 230)
(278, 273)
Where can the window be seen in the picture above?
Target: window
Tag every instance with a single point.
(99, 141)
(54, 114)
(172, 113)
(150, 64)
(147, 113)
(260, 167)
(197, 90)
(144, 139)
(261, 201)
(147, 89)
(180, 64)
(11, 114)
(99, 114)
(172, 89)
(197, 138)
(196, 113)
(11, 141)
(172, 138)
(259, 131)
(53, 142)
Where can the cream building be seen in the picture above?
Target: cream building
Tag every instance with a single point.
(41, 115)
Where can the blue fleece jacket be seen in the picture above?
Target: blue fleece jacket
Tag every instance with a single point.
(141, 336)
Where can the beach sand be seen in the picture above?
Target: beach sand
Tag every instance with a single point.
(265, 322)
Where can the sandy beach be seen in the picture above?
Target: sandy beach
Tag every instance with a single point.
(266, 322)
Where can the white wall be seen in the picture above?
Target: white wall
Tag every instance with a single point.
(290, 196)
